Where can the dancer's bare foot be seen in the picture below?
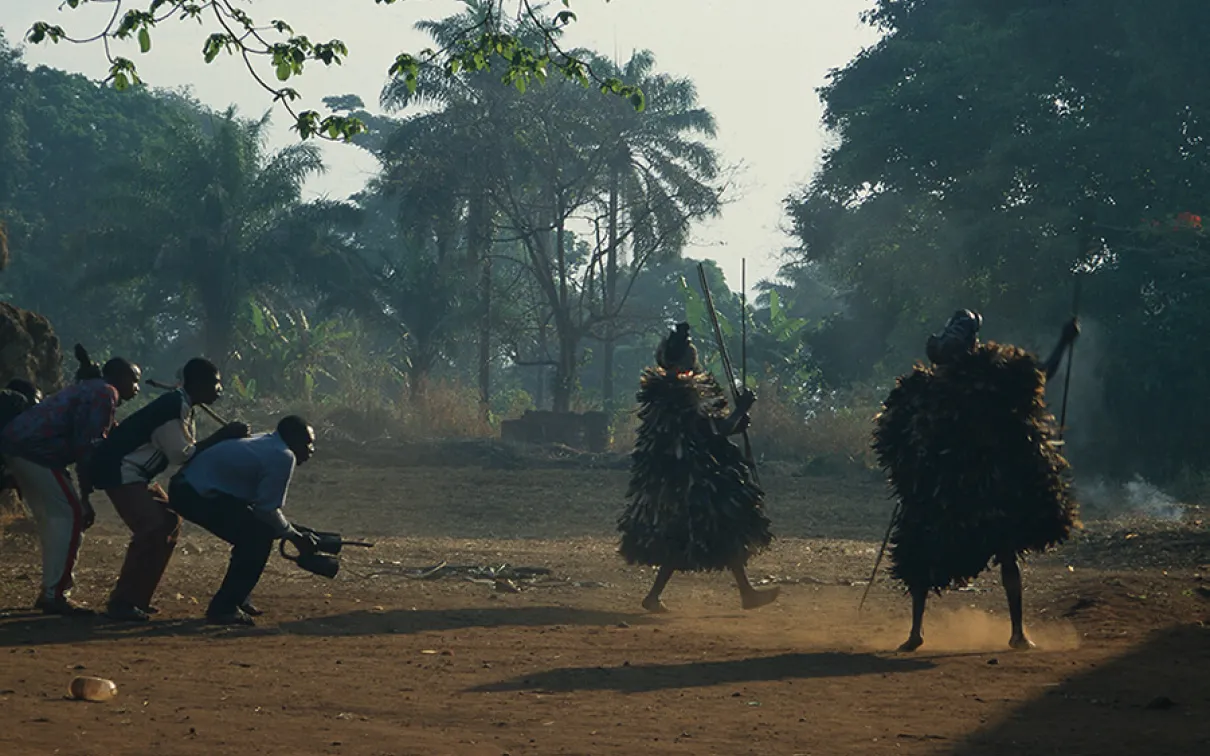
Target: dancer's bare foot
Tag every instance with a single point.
(1021, 643)
(756, 599)
(912, 643)
(654, 605)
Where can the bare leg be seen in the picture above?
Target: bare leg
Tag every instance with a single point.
(915, 639)
(652, 603)
(1010, 575)
(749, 596)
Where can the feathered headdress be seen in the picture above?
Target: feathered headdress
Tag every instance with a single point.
(676, 352)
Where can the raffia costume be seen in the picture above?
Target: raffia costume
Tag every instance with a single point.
(969, 449)
(693, 503)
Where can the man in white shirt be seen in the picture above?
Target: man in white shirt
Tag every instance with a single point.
(125, 466)
(236, 490)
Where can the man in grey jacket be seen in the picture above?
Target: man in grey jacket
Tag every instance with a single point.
(236, 490)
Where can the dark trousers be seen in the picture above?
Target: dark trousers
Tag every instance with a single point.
(231, 520)
(154, 530)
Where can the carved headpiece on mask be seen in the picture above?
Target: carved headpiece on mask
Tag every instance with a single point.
(676, 352)
(960, 336)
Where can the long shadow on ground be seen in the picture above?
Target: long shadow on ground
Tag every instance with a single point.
(30, 629)
(36, 629)
(646, 678)
(1153, 700)
(405, 622)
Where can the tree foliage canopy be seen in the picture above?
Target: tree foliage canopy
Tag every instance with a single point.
(274, 53)
(986, 153)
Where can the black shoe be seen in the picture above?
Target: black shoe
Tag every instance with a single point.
(236, 617)
(248, 608)
(149, 609)
(124, 612)
(62, 606)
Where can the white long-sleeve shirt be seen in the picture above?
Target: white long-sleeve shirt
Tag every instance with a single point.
(145, 444)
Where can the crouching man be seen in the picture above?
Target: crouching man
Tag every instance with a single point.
(125, 466)
(236, 490)
(39, 445)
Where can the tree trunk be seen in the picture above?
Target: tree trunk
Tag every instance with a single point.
(565, 372)
(216, 289)
(565, 378)
(540, 398)
(485, 338)
(218, 331)
(611, 278)
(418, 385)
(479, 221)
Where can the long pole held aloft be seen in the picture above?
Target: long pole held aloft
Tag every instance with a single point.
(728, 368)
(1071, 353)
(743, 339)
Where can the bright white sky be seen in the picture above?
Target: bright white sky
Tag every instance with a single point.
(756, 66)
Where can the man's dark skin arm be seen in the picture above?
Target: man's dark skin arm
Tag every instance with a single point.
(226, 433)
(1071, 330)
(84, 480)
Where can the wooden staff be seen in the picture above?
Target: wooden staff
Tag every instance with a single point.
(743, 337)
(881, 551)
(168, 387)
(1071, 353)
(726, 360)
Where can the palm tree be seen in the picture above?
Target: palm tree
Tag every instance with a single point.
(208, 216)
(447, 156)
(660, 177)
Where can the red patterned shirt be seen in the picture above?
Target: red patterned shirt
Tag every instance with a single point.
(63, 429)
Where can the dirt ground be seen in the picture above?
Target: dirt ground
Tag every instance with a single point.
(388, 660)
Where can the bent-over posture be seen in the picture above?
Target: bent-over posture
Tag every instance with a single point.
(39, 445)
(236, 490)
(125, 466)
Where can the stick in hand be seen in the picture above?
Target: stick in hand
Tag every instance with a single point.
(168, 387)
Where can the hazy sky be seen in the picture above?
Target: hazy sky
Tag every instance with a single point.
(756, 66)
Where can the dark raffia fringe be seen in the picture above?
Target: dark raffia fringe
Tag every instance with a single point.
(969, 452)
(692, 502)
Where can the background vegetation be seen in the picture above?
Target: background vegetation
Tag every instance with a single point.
(523, 249)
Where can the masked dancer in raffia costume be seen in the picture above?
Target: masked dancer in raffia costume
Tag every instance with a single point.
(971, 453)
(693, 503)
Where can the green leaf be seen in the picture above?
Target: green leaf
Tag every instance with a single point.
(283, 71)
(724, 325)
(120, 82)
(258, 318)
(695, 306)
(144, 40)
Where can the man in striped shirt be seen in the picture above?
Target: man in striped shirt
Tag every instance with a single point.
(39, 445)
(125, 466)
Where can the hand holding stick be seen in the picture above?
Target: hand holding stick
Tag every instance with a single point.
(168, 387)
(728, 369)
